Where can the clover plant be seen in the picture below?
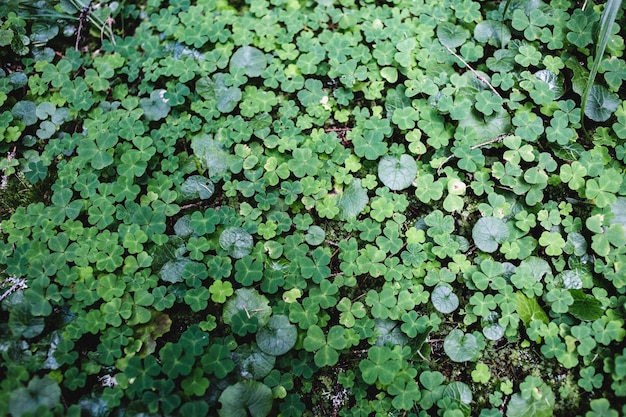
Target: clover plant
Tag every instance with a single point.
(312, 208)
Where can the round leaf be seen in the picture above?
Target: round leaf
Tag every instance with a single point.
(601, 104)
(458, 391)
(493, 32)
(237, 242)
(23, 323)
(460, 347)
(444, 300)
(488, 233)
(451, 35)
(397, 173)
(26, 111)
(155, 107)
(315, 235)
(491, 328)
(197, 186)
(278, 337)
(172, 271)
(249, 59)
(253, 363)
(246, 398)
(251, 303)
(40, 392)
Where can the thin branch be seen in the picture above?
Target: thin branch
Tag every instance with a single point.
(480, 77)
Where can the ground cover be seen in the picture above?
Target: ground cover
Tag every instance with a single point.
(312, 208)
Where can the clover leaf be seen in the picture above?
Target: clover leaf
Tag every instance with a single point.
(488, 233)
(397, 173)
(535, 399)
(380, 365)
(326, 347)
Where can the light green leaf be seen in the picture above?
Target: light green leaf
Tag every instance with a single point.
(461, 347)
(353, 200)
(278, 336)
(397, 173)
(488, 233)
(237, 242)
(197, 186)
(155, 107)
(444, 300)
(249, 59)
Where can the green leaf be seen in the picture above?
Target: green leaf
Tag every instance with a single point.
(585, 306)
(536, 399)
(488, 233)
(248, 303)
(444, 300)
(315, 235)
(172, 271)
(529, 310)
(601, 103)
(461, 347)
(397, 173)
(22, 323)
(246, 398)
(325, 346)
(252, 362)
(278, 336)
(40, 394)
(156, 107)
(236, 242)
(379, 365)
(493, 32)
(606, 26)
(197, 186)
(353, 200)
(451, 35)
(212, 154)
(248, 59)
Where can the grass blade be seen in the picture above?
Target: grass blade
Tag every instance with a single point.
(606, 23)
